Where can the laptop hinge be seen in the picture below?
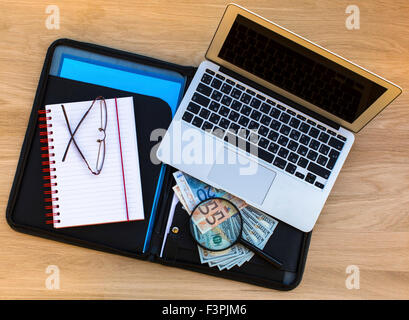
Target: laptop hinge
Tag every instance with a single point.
(277, 96)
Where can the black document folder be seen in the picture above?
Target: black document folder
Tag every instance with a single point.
(25, 211)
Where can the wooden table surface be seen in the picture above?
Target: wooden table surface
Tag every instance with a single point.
(365, 221)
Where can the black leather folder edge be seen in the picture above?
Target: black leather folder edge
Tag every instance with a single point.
(288, 243)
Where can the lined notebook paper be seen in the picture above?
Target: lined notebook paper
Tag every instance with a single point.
(115, 195)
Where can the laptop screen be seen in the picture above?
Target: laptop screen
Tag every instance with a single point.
(298, 70)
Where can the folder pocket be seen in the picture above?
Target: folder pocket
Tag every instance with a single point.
(285, 244)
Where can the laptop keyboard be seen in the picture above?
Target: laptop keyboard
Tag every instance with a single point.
(251, 121)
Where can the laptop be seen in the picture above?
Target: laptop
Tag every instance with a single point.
(270, 117)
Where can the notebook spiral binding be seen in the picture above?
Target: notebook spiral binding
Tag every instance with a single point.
(50, 200)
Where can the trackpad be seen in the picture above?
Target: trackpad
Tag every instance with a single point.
(243, 177)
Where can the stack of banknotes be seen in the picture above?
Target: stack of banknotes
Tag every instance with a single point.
(257, 226)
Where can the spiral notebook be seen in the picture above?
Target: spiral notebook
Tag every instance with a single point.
(92, 160)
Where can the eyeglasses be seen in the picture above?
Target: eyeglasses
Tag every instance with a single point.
(101, 141)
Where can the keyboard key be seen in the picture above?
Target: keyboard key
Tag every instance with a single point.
(206, 78)
(244, 121)
(264, 155)
(220, 77)
(319, 185)
(273, 147)
(281, 163)
(204, 113)
(197, 122)
(275, 125)
(217, 95)
(263, 131)
(230, 82)
(204, 89)
(331, 163)
(302, 162)
(236, 105)
(285, 130)
(255, 115)
(224, 111)
(334, 154)
(236, 93)
(285, 117)
(294, 122)
(295, 134)
(250, 92)
(260, 97)
(311, 122)
(253, 137)
(187, 116)
(240, 87)
(279, 106)
(324, 149)
(341, 137)
(207, 126)
(318, 170)
(305, 139)
(321, 127)
(291, 112)
(302, 118)
(200, 99)
(244, 133)
(290, 168)
(210, 72)
(322, 160)
(332, 133)
(263, 143)
(293, 157)
(275, 113)
(271, 102)
(312, 155)
(283, 152)
(253, 125)
(234, 127)
(214, 118)
(299, 175)
(218, 132)
(255, 103)
(226, 88)
(245, 98)
(193, 107)
(304, 127)
(234, 116)
(314, 132)
(246, 110)
(273, 135)
(314, 144)
(302, 150)
(265, 120)
(224, 123)
(226, 100)
(282, 141)
(323, 137)
(335, 143)
(292, 145)
(214, 106)
(310, 178)
(265, 108)
(333, 157)
(216, 83)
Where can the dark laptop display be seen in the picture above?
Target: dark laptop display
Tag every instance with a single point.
(298, 70)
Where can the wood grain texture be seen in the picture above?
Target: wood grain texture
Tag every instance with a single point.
(365, 221)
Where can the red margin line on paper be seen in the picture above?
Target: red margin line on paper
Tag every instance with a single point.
(122, 161)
